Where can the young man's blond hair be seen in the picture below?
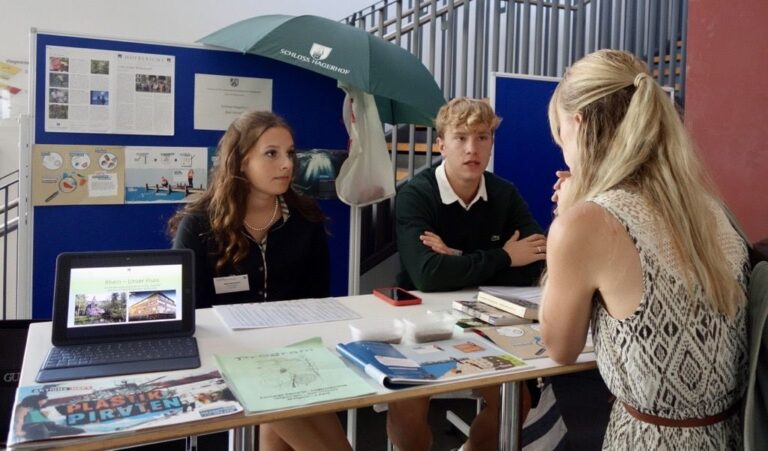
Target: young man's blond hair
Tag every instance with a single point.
(466, 111)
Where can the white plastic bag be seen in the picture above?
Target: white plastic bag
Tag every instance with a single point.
(366, 176)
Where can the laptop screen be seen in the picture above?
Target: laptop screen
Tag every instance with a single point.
(124, 295)
(107, 296)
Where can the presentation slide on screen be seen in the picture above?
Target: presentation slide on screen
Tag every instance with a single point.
(122, 295)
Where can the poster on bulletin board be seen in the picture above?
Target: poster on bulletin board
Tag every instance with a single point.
(165, 174)
(220, 99)
(101, 91)
(77, 175)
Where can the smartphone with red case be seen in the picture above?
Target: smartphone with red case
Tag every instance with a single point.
(396, 296)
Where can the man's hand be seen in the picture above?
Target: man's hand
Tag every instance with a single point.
(558, 187)
(528, 250)
(434, 242)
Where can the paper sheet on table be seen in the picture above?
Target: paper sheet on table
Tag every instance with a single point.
(283, 313)
(296, 375)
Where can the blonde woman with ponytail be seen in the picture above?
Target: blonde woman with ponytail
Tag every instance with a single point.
(642, 249)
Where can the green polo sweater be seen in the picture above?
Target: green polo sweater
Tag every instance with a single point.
(479, 233)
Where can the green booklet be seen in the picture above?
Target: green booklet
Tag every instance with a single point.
(300, 374)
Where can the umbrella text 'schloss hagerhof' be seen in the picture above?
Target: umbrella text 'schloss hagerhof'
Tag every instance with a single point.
(307, 59)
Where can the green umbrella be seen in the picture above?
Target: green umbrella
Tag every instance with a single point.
(404, 89)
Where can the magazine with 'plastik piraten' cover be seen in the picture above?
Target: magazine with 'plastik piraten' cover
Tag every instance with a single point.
(73, 409)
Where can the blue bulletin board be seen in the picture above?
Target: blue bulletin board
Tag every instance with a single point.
(311, 103)
(524, 151)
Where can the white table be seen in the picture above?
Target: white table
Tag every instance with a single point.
(214, 337)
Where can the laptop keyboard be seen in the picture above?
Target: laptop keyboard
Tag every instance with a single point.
(125, 351)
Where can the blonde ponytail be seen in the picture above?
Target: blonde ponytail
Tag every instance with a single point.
(631, 136)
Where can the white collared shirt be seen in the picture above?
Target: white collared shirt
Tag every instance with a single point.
(449, 196)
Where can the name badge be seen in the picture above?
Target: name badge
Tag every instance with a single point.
(231, 284)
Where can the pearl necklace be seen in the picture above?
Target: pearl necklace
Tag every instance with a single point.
(269, 223)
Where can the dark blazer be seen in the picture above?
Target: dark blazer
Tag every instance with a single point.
(294, 264)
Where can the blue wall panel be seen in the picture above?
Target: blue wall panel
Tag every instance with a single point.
(525, 152)
(311, 103)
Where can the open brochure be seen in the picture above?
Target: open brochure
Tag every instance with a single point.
(522, 339)
(300, 374)
(82, 408)
(395, 365)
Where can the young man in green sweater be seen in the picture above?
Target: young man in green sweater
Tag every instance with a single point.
(459, 226)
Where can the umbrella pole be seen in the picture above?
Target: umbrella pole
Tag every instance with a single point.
(353, 288)
(353, 282)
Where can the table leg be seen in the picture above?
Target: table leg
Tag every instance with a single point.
(510, 416)
(241, 439)
(352, 427)
(191, 443)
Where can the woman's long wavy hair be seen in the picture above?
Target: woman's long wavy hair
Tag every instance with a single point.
(227, 194)
(632, 136)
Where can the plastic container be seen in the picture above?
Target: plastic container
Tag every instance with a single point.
(384, 330)
(429, 327)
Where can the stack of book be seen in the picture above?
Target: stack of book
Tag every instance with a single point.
(520, 301)
(488, 314)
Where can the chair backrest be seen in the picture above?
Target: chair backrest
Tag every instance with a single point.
(756, 405)
(13, 336)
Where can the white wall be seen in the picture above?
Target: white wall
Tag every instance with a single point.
(175, 21)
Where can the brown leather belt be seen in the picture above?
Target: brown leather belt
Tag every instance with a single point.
(682, 423)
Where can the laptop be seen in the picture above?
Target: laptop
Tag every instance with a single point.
(122, 312)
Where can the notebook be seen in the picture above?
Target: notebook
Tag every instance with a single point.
(122, 312)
